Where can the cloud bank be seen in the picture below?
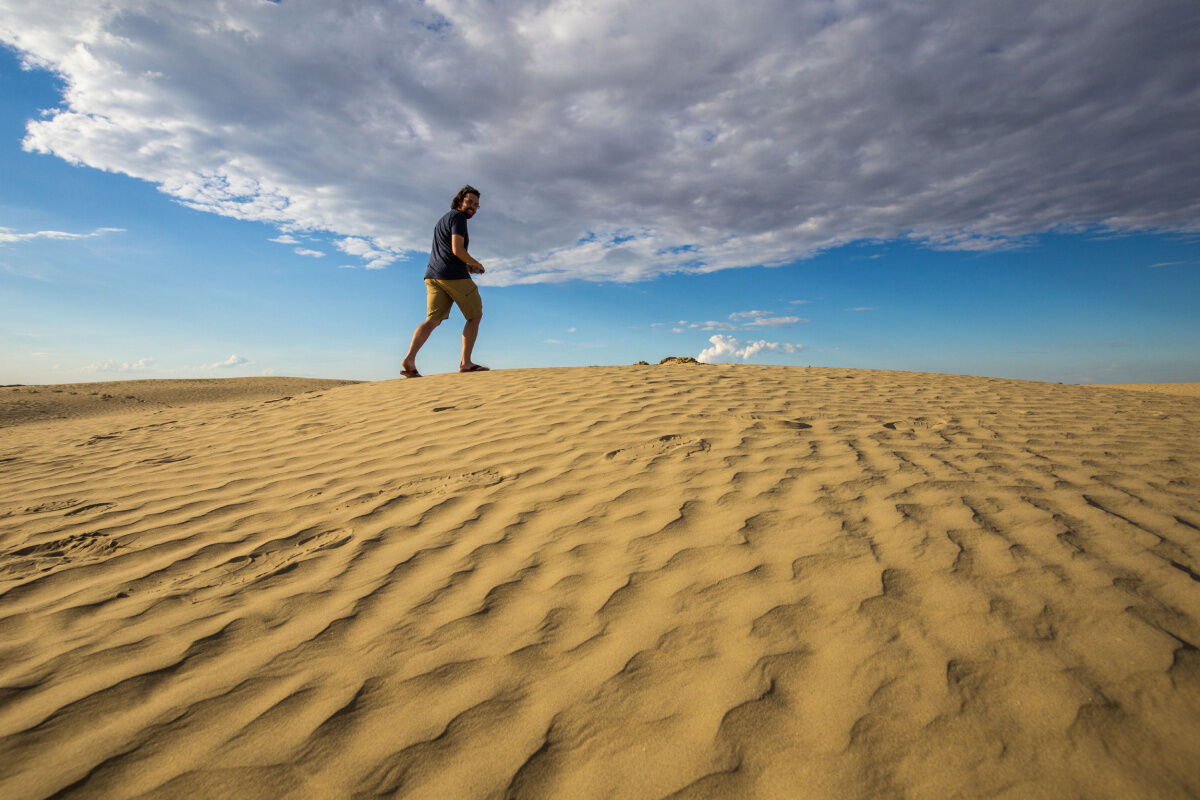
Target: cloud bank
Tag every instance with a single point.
(620, 141)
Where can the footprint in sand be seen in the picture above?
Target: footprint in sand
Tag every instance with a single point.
(397, 491)
(272, 558)
(764, 420)
(53, 505)
(43, 557)
(164, 460)
(669, 445)
(917, 424)
(98, 438)
(89, 507)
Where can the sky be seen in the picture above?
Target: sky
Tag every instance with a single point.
(224, 188)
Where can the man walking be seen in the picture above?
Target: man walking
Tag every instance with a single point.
(448, 281)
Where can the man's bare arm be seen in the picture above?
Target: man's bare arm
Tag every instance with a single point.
(459, 246)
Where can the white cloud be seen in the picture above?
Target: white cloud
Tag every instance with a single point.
(284, 238)
(375, 257)
(727, 348)
(861, 308)
(764, 319)
(710, 325)
(621, 141)
(741, 320)
(776, 322)
(112, 365)
(9, 235)
(233, 361)
(1167, 264)
(304, 251)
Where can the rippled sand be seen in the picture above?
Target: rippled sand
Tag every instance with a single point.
(633, 582)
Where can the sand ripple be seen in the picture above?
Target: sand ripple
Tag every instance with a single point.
(637, 582)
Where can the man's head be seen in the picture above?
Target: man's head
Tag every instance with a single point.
(466, 201)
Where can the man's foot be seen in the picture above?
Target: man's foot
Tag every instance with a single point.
(411, 373)
(473, 368)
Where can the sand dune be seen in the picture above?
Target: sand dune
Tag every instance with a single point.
(634, 582)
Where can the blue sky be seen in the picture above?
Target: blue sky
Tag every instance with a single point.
(182, 205)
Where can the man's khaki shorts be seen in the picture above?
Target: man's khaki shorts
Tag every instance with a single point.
(463, 292)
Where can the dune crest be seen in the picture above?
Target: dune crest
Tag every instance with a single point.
(21, 405)
(1184, 389)
(644, 582)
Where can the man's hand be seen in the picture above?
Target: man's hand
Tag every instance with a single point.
(458, 246)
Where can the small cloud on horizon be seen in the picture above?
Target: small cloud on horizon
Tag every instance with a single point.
(725, 348)
(233, 361)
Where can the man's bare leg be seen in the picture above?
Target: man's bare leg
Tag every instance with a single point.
(470, 331)
(420, 335)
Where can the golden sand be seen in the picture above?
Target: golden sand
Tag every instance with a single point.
(1185, 389)
(634, 582)
(21, 404)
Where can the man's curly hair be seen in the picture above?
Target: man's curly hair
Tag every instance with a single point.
(462, 193)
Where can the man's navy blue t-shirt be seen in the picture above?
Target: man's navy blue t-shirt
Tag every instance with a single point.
(443, 264)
